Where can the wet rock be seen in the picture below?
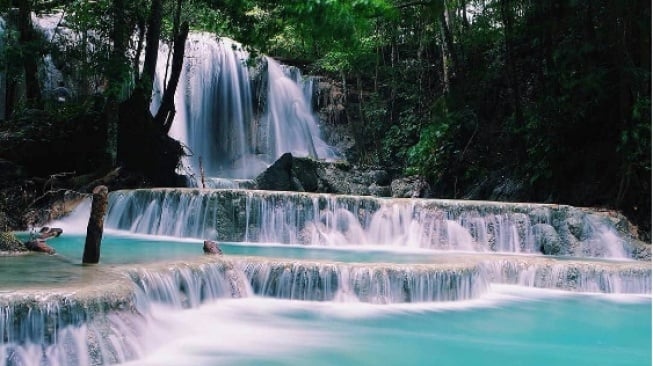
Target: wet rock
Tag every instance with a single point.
(547, 239)
(380, 191)
(576, 224)
(411, 187)
(278, 177)
(378, 177)
(49, 232)
(39, 245)
(211, 247)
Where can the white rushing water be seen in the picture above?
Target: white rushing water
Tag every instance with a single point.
(328, 220)
(256, 330)
(216, 117)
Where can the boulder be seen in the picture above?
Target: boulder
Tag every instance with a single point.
(278, 177)
(211, 247)
(39, 245)
(303, 174)
(410, 187)
(49, 232)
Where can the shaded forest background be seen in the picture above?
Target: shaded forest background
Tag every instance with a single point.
(543, 101)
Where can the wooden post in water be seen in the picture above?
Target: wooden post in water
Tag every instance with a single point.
(95, 225)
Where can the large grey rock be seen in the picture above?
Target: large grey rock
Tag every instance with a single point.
(303, 174)
(279, 176)
(410, 187)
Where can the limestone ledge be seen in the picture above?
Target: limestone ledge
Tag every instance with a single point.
(38, 313)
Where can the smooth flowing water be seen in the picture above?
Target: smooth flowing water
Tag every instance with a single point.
(187, 314)
(509, 326)
(228, 133)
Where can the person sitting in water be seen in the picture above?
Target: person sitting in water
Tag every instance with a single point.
(61, 94)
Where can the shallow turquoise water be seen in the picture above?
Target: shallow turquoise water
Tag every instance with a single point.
(118, 248)
(121, 249)
(504, 328)
(508, 326)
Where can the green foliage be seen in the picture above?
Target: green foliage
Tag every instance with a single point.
(427, 157)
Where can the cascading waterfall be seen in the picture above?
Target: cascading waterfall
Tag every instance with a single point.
(105, 325)
(116, 321)
(383, 283)
(214, 106)
(216, 116)
(290, 125)
(541, 272)
(321, 219)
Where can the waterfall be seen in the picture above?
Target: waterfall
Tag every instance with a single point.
(289, 121)
(214, 104)
(69, 327)
(597, 277)
(328, 220)
(216, 117)
(378, 283)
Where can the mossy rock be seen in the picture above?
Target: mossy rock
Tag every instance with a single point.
(9, 243)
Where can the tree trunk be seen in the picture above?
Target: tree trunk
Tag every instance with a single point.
(448, 41)
(27, 41)
(152, 46)
(166, 112)
(118, 65)
(95, 225)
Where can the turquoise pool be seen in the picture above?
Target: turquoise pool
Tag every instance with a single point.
(508, 326)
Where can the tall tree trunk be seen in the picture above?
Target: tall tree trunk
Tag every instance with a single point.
(28, 41)
(117, 73)
(166, 112)
(152, 46)
(445, 62)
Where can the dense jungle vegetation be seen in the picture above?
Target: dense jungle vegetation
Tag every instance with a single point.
(546, 100)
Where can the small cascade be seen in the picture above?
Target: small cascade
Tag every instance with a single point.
(189, 285)
(49, 25)
(69, 328)
(600, 277)
(377, 283)
(327, 220)
(105, 322)
(288, 122)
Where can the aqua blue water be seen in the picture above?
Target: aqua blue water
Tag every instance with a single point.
(509, 326)
(128, 249)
